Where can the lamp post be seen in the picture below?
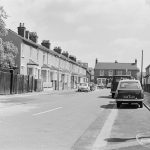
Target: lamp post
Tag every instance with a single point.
(58, 70)
(142, 69)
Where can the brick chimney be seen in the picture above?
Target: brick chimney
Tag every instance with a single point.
(46, 43)
(27, 34)
(21, 30)
(135, 61)
(33, 36)
(96, 61)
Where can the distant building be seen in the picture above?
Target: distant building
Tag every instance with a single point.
(147, 75)
(91, 70)
(104, 71)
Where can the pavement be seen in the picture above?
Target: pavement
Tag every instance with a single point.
(147, 100)
(3, 98)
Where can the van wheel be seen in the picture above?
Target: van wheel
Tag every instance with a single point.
(113, 94)
(141, 105)
(118, 104)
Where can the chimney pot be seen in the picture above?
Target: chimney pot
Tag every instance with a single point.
(46, 43)
(21, 30)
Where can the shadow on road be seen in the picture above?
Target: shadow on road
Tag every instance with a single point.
(112, 105)
(119, 139)
(105, 97)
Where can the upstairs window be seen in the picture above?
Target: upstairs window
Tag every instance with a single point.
(101, 72)
(43, 58)
(128, 72)
(110, 72)
(37, 56)
(119, 72)
(31, 51)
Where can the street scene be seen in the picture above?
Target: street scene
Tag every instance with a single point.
(60, 121)
(74, 75)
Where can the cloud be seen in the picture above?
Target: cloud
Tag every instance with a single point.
(84, 29)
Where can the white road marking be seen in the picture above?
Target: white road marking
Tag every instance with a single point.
(106, 131)
(46, 111)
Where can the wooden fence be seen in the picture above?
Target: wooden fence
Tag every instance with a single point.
(147, 88)
(16, 84)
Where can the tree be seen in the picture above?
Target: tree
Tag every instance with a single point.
(8, 51)
(3, 15)
(9, 54)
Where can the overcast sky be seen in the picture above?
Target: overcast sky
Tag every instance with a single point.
(105, 29)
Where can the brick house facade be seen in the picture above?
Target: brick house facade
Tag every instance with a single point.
(55, 70)
(104, 71)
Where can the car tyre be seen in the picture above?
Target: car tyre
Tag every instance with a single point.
(118, 104)
(141, 105)
(113, 94)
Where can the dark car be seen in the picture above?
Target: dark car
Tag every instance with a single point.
(129, 91)
(115, 81)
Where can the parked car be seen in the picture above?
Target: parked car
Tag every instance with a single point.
(100, 86)
(108, 85)
(129, 91)
(115, 81)
(83, 87)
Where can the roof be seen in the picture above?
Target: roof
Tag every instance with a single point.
(36, 45)
(112, 65)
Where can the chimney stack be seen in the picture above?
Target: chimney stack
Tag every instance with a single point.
(27, 34)
(135, 61)
(46, 43)
(33, 36)
(66, 54)
(96, 61)
(21, 30)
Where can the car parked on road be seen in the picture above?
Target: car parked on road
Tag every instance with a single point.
(100, 86)
(129, 91)
(115, 81)
(83, 87)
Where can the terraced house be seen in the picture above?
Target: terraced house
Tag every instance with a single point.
(104, 71)
(56, 70)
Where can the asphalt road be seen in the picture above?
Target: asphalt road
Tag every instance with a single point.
(72, 121)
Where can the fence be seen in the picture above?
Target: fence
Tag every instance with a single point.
(16, 84)
(147, 88)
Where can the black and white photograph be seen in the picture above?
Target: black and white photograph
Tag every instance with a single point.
(74, 74)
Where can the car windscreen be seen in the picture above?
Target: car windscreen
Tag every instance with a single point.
(117, 79)
(83, 84)
(130, 85)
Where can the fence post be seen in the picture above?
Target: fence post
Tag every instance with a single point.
(11, 81)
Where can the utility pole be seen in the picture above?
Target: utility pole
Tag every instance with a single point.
(142, 69)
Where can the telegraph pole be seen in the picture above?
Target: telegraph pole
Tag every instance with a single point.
(142, 69)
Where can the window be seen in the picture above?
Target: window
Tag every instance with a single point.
(110, 72)
(101, 72)
(22, 69)
(37, 56)
(130, 85)
(119, 72)
(22, 51)
(30, 71)
(31, 51)
(129, 73)
(43, 58)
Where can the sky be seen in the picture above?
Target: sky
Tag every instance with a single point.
(88, 29)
